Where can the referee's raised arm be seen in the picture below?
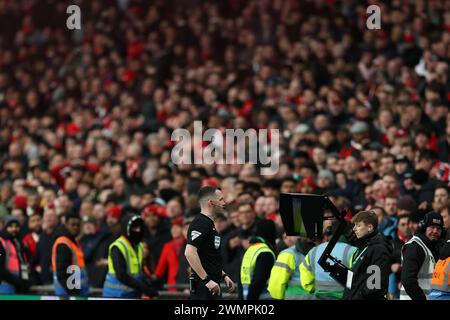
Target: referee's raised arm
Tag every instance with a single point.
(203, 248)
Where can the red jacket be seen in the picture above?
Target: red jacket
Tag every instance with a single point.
(31, 244)
(169, 260)
(55, 171)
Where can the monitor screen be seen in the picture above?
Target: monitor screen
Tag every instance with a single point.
(302, 214)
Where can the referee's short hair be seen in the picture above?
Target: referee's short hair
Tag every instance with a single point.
(206, 192)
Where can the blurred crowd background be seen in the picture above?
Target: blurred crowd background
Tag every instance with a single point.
(86, 117)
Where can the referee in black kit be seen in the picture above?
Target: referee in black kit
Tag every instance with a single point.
(203, 248)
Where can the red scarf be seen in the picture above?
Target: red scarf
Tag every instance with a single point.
(401, 237)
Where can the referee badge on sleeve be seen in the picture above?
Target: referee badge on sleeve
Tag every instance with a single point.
(216, 242)
(195, 234)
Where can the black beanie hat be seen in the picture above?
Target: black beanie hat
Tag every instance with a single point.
(266, 230)
(433, 217)
(10, 220)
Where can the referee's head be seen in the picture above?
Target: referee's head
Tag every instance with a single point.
(211, 200)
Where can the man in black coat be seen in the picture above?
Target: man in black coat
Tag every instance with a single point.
(421, 250)
(95, 245)
(401, 237)
(237, 241)
(43, 259)
(368, 278)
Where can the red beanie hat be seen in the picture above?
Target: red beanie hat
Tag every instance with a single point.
(20, 202)
(154, 209)
(178, 221)
(114, 212)
(210, 182)
(128, 75)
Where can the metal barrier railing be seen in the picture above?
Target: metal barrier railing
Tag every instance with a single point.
(181, 294)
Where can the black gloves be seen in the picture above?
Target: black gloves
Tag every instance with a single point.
(156, 283)
(23, 286)
(148, 289)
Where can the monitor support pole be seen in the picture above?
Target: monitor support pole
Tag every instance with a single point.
(336, 269)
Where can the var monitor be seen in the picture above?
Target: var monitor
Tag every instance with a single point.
(302, 214)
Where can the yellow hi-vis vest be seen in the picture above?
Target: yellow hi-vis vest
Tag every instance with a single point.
(248, 266)
(134, 259)
(284, 281)
(316, 280)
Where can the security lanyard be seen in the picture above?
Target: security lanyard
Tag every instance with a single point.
(359, 256)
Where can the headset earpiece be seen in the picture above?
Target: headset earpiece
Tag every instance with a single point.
(422, 226)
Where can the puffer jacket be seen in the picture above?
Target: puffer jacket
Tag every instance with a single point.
(374, 251)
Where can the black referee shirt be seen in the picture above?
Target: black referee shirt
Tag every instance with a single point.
(203, 235)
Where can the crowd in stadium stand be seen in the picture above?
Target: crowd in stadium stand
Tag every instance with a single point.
(86, 117)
